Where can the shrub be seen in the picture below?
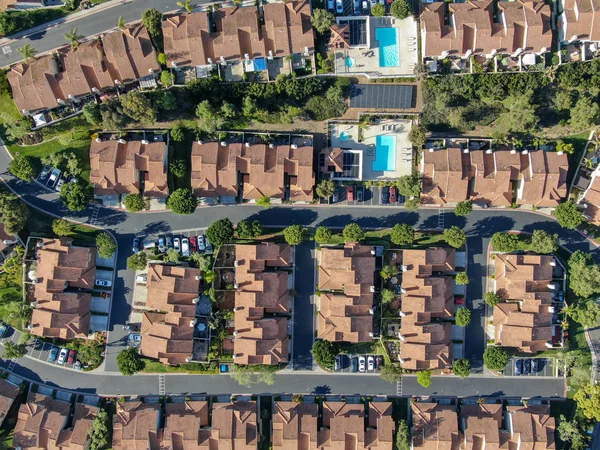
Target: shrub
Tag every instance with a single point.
(495, 358)
(323, 235)
(353, 233)
(324, 353)
(264, 201)
(462, 316)
(134, 202)
(491, 298)
(220, 232)
(182, 201)
(424, 378)
(462, 278)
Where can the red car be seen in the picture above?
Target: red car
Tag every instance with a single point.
(71, 358)
(393, 194)
(459, 300)
(193, 244)
(350, 195)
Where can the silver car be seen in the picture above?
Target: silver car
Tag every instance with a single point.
(185, 247)
(176, 244)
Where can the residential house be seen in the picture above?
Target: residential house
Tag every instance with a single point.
(135, 426)
(68, 75)
(186, 426)
(524, 319)
(482, 427)
(168, 328)
(346, 285)
(485, 27)
(295, 426)
(344, 426)
(120, 167)
(65, 275)
(445, 176)
(543, 181)
(40, 422)
(287, 29)
(17, 5)
(590, 199)
(229, 171)
(8, 394)
(530, 427)
(234, 426)
(435, 426)
(262, 301)
(427, 299)
(77, 436)
(579, 21)
(493, 175)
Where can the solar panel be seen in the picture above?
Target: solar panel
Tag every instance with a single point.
(383, 96)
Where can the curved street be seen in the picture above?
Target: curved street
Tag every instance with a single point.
(480, 226)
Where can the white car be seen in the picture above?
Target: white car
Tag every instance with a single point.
(176, 244)
(370, 363)
(62, 357)
(59, 184)
(53, 177)
(141, 279)
(361, 364)
(201, 243)
(135, 337)
(185, 247)
(104, 283)
(339, 6)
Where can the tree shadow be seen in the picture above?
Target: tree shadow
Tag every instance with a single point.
(111, 219)
(490, 225)
(430, 223)
(321, 390)
(273, 216)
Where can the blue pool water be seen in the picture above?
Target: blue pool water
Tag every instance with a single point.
(388, 47)
(385, 154)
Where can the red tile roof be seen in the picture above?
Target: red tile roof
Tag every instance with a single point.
(591, 201)
(435, 427)
(580, 20)
(135, 426)
(40, 422)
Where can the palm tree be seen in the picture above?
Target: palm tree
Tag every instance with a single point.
(73, 37)
(121, 23)
(185, 4)
(568, 310)
(28, 52)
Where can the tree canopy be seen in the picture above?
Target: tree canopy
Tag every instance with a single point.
(323, 235)
(137, 261)
(152, 20)
(378, 10)
(543, 242)
(139, 107)
(325, 188)
(353, 233)
(464, 208)
(13, 213)
(13, 350)
(388, 271)
(182, 201)
(402, 234)
(99, 431)
(247, 229)
(321, 20)
(409, 185)
(491, 298)
(401, 9)
(462, 316)
(424, 378)
(505, 242)
(75, 196)
(295, 234)
(62, 227)
(584, 275)
(495, 358)
(22, 167)
(324, 353)
(105, 245)
(461, 367)
(134, 202)
(461, 278)
(403, 440)
(569, 215)
(220, 232)
(570, 432)
(588, 401)
(129, 361)
(455, 236)
(178, 167)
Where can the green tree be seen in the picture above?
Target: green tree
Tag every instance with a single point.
(204, 262)
(520, 115)
(139, 107)
(388, 271)
(587, 313)
(186, 4)
(178, 132)
(584, 276)
(461, 367)
(455, 236)
(73, 38)
(464, 208)
(588, 401)
(152, 20)
(209, 118)
(166, 78)
(324, 353)
(461, 278)
(105, 245)
(411, 204)
(264, 201)
(73, 165)
(325, 188)
(62, 227)
(248, 229)
(387, 295)
(391, 373)
(13, 213)
(570, 432)
(495, 358)
(401, 9)
(129, 361)
(178, 167)
(378, 10)
(322, 20)
(562, 146)
(403, 436)
(323, 235)
(416, 135)
(543, 242)
(491, 298)
(402, 234)
(568, 215)
(15, 129)
(75, 196)
(563, 100)
(220, 232)
(172, 256)
(12, 350)
(182, 201)
(462, 317)
(295, 234)
(505, 242)
(121, 23)
(22, 167)
(134, 202)
(99, 431)
(409, 185)
(28, 52)
(91, 113)
(113, 117)
(332, 104)
(585, 113)
(137, 261)
(424, 378)
(90, 354)
(353, 233)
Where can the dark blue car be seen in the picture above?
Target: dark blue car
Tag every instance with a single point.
(518, 367)
(53, 354)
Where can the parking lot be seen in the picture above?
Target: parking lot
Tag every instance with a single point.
(365, 196)
(172, 236)
(346, 363)
(545, 368)
(37, 350)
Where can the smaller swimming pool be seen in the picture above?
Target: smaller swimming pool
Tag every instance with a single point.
(344, 136)
(389, 54)
(385, 154)
(350, 61)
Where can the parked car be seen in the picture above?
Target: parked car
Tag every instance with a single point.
(59, 184)
(201, 243)
(365, 7)
(518, 367)
(393, 194)
(141, 279)
(527, 367)
(162, 243)
(337, 363)
(135, 337)
(459, 300)
(350, 193)
(370, 363)
(354, 364)
(53, 354)
(385, 195)
(361, 363)
(373, 3)
(339, 7)
(185, 247)
(535, 368)
(336, 197)
(360, 193)
(77, 366)
(177, 244)
(62, 356)
(193, 244)
(71, 358)
(208, 245)
(378, 362)
(44, 173)
(169, 241)
(330, 5)
(135, 246)
(54, 177)
(356, 7)
(3, 329)
(104, 283)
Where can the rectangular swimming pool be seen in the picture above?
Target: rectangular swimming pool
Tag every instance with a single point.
(385, 154)
(389, 55)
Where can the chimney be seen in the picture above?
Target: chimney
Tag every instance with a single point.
(188, 359)
(489, 152)
(223, 144)
(401, 337)
(548, 344)
(235, 333)
(196, 300)
(192, 322)
(150, 70)
(402, 290)
(371, 334)
(235, 309)
(404, 268)
(145, 142)
(372, 288)
(98, 139)
(271, 145)
(401, 314)
(371, 311)
(209, 60)
(121, 141)
(466, 150)
(294, 146)
(551, 286)
(173, 64)
(524, 152)
(199, 142)
(247, 144)
(513, 151)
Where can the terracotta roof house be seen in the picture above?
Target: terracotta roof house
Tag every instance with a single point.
(64, 273)
(185, 426)
(525, 322)
(12, 5)
(40, 422)
(8, 394)
(543, 178)
(295, 426)
(234, 426)
(482, 427)
(287, 29)
(77, 436)
(262, 296)
(261, 169)
(187, 39)
(590, 199)
(344, 426)
(120, 167)
(346, 277)
(135, 426)
(168, 332)
(435, 427)
(427, 293)
(463, 29)
(531, 427)
(579, 21)
(339, 39)
(118, 58)
(445, 176)
(494, 175)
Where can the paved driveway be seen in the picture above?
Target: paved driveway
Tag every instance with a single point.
(364, 196)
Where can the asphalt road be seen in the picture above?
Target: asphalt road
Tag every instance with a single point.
(304, 311)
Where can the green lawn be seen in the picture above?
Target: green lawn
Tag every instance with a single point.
(7, 106)
(40, 224)
(153, 366)
(382, 237)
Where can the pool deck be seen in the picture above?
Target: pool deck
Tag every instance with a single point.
(367, 57)
(398, 128)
